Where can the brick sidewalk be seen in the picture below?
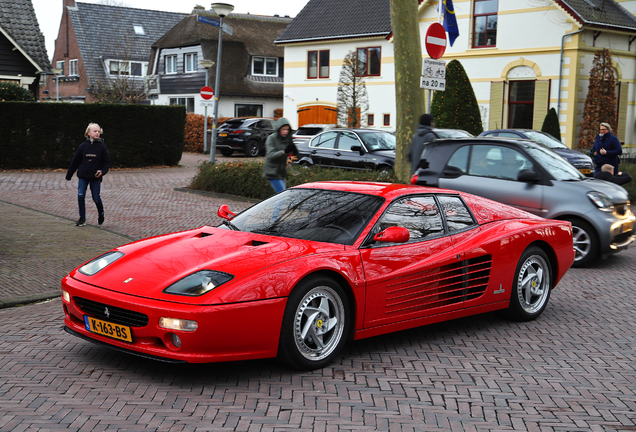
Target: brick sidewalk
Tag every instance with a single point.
(40, 244)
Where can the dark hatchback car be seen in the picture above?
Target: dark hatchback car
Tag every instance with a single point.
(529, 176)
(366, 149)
(580, 161)
(245, 135)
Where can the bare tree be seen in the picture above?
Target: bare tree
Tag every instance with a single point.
(353, 102)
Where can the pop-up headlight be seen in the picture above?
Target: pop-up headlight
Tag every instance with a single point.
(198, 283)
(92, 267)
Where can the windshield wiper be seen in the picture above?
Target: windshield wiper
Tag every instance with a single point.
(230, 225)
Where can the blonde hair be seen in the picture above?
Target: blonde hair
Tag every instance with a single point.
(88, 129)
(607, 125)
(607, 168)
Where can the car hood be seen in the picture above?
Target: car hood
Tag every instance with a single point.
(617, 193)
(572, 155)
(149, 266)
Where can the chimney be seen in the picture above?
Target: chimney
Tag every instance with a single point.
(70, 3)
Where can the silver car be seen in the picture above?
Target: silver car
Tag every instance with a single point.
(531, 177)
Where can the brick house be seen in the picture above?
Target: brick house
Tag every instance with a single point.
(23, 57)
(98, 45)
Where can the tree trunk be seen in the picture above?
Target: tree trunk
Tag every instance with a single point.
(408, 69)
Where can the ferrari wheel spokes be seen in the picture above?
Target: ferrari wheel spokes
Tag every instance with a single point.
(531, 287)
(317, 325)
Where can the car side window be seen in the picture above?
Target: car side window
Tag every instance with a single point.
(265, 124)
(347, 140)
(326, 140)
(457, 215)
(497, 162)
(459, 159)
(418, 214)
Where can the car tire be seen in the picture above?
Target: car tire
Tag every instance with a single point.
(227, 152)
(531, 286)
(585, 243)
(252, 149)
(315, 325)
(384, 170)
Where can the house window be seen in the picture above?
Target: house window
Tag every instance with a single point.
(248, 110)
(120, 67)
(387, 119)
(72, 67)
(521, 104)
(187, 102)
(318, 64)
(368, 61)
(60, 65)
(171, 64)
(265, 66)
(370, 119)
(485, 23)
(139, 29)
(190, 61)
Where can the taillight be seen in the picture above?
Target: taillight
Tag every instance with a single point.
(235, 132)
(414, 179)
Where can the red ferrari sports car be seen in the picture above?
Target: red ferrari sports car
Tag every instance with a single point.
(299, 274)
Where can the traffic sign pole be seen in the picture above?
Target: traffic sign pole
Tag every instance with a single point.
(206, 93)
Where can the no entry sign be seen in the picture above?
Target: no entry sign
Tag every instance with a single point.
(207, 92)
(435, 41)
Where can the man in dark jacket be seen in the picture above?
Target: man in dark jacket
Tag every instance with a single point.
(606, 149)
(92, 162)
(424, 135)
(278, 147)
(607, 174)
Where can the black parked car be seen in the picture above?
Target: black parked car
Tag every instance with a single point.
(246, 135)
(580, 161)
(367, 149)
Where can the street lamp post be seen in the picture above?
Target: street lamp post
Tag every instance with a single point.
(222, 10)
(57, 73)
(207, 64)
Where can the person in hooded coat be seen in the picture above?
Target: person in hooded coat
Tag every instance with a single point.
(278, 147)
(423, 135)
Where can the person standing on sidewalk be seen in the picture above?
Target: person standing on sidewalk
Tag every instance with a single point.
(606, 149)
(278, 147)
(92, 163)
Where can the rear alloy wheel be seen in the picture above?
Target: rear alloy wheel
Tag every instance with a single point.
(531, 287)
(585, 243)
(227, 152)
(315, 325)
(252, 148)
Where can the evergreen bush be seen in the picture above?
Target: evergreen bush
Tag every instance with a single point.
(246, 178)
(551, 124)
(456, 107)
(14, 92)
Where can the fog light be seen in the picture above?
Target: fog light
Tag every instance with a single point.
(66, 296)
(177, 324)
(176, 341)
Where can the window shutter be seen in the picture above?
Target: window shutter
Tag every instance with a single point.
(621, 124)
(541, 103)
(495, 119)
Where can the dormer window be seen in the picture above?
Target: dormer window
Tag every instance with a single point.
(139, 29)
(265, 66)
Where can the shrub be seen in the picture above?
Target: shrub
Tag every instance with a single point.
(551, 124)
(631, 186)
(246, 178)
(193, 137)
(14, 92)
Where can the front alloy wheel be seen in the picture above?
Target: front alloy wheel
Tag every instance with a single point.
(531, 287)
(252, 148)
(315, 324)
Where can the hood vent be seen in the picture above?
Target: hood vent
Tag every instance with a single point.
(255, 243)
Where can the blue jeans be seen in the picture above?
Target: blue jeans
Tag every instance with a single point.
(95, 186)
(277, 184)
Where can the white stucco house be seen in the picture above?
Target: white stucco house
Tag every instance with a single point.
(522, 57)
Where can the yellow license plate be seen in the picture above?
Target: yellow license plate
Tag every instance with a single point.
(585, 171)
(223, 135)
(105, 328)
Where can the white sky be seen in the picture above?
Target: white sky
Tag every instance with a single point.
(49, 12)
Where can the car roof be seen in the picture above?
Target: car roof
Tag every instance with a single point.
(388, 191)
(317, 125)
(518, 142)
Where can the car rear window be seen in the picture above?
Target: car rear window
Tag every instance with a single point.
(308, 131)
(234, 124)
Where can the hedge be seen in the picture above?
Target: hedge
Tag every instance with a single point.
(46, 135)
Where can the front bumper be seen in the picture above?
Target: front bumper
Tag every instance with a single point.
(239, 331)
(617, 231)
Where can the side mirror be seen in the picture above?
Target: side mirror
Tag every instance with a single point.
(393, 235)
(225, 213)
(359, 149)
(528, 176)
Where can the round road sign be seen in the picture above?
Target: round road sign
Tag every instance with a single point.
(207, 92)
(435, 40)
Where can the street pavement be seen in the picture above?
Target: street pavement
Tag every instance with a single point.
(573, 369)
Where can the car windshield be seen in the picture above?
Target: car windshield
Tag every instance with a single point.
(558, 167)
(545, 139)
(310, 214)
(451, 133)
(378, 140)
